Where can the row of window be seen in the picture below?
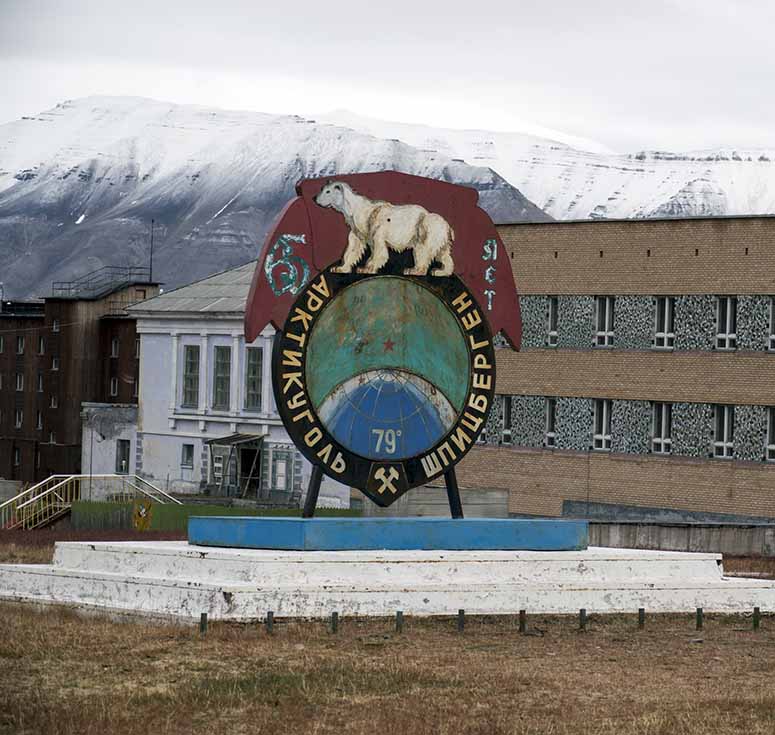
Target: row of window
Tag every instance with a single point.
(664, 322)
(18, 416)
(21, 341)
(221, 383)
(661, 427)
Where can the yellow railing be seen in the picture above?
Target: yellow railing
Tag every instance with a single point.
(44, 502)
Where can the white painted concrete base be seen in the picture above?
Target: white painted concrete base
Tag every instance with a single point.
(175, 580)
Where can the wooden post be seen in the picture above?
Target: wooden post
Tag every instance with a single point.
(270, 622)
(203, 624)
(522, 621)
(582, 619)
(641, 618)
(399, 621)
(756, 618)
(461, 620)
(699, 618)
(334, 622)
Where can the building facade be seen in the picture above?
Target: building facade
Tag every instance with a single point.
(645, 386)
(77, 345)
(207, 421)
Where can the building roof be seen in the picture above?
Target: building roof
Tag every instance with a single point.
(223, 293)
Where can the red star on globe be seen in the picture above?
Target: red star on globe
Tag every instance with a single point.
(389, 344)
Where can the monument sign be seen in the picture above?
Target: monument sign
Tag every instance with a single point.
(385, 290)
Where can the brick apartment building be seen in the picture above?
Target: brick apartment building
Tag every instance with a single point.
(77, 345)
(647, 374)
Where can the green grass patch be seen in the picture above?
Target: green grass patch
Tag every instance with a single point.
(89, 515)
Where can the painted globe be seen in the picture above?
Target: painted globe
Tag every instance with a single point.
(387, 414)
(387, 368)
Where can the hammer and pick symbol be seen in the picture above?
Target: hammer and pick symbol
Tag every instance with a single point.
(387, 478)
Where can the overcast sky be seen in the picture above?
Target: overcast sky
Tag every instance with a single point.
(630, 74)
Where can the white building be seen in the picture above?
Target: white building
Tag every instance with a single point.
(206, 414)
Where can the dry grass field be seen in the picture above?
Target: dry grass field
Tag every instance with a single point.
(61, 673)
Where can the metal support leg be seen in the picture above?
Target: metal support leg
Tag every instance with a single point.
(453, 494)
(312, 491)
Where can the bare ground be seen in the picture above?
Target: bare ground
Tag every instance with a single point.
(61, 673)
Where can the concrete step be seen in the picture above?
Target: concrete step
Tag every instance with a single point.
(186, 599)
(325, 568)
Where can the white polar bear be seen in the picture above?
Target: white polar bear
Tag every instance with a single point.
(383, 226)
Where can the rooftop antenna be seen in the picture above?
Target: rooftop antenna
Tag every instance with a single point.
(150, 270)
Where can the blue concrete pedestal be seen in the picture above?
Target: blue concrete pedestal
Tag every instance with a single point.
(348, 534)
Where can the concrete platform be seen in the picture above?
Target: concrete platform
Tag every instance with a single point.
(349, 534)
(174, 580)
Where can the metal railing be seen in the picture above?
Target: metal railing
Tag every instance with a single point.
(100, 280)
(46, 501)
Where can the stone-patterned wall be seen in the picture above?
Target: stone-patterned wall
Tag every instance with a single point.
(573, 423)
(631, 427)
(633, 322)
(494, 425)
(535, 314)
(753, 322)
(695, 322)
(575, 321)
(750, 436)
(528, 421)
(692, 429)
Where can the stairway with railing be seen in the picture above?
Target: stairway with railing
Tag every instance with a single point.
(50, 499)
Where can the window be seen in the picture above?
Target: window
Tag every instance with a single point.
(187, 456)
(113, 387)
(55, 325)
(191, 376)
(114, 347)
(281, 474)
(19, 381)
(222, 377)
(41, 346)
(40, 382)
(135, 384)
(601, 438)
(724, 433)
(253, 374)
(140, 293)
(770, 456)
(217, 468)
(726, 322)
(551, 326)
(550, 438)
(18, 418)
(772, 325)
(662, 428)
(20, 345)
(39, 421)
(604, 321)
(17, 456)
(55, 363)
(52, 438)
(1, 381)
(664, 329)
(122, 456)
(137, 348)
(2, 343)
(506, 419)
(54, 402)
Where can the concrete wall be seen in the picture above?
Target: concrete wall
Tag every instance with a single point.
(729, 539)
(9, 488)
(432, 501)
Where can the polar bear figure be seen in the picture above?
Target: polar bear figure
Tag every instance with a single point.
(382, 226)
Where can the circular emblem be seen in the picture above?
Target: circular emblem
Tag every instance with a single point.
(384, 380)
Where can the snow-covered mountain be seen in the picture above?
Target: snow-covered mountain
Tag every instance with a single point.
(571, 178)
(79, 185)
